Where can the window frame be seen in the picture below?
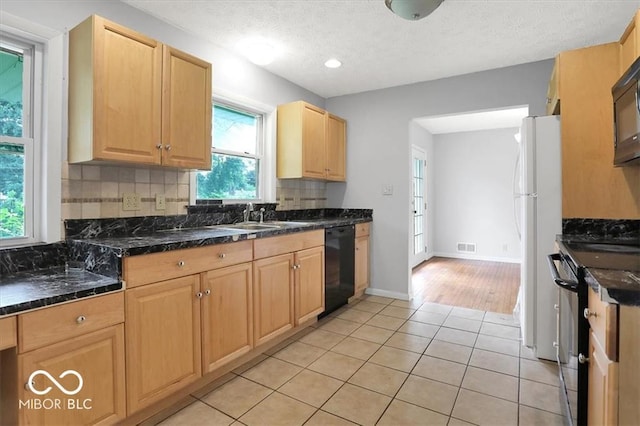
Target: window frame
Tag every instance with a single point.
(31, 139)
(264, 149)
(48, 126)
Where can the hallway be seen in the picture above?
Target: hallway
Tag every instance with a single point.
(474, 284)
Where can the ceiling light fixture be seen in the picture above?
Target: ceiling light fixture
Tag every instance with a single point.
(258, 50)
(333, 63)
(412, 10)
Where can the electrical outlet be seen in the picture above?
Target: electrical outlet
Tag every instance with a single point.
(161, 202)
(505, 247)
(296, 200)
(387, 189)
(131, 201)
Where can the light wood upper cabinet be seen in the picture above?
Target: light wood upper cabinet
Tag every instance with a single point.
(163, 339)
(309, 283)
(311, 143)
(133, 99)
(591, 186)
(99, 359)
(336, 154)
(553, 91)
(630, 44)
(273, 297)
(227, 315)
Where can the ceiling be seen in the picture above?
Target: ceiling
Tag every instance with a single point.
(379, 49)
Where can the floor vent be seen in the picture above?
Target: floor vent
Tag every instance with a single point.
(467, 247)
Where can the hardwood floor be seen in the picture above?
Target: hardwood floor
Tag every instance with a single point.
(487, 286)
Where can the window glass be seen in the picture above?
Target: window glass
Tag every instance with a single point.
(11, 92)
(12, 164)
(235, 156)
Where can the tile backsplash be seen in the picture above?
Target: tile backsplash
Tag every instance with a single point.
(95, 191)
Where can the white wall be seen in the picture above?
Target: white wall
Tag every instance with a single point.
(379, 150)
(474, 194)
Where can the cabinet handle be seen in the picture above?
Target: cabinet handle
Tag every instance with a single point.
(159, 146)
(199, 295)
(181, 263)
(207, 292)
(167, 147)
(222, 255)
(81, 319)
(587, 313)
(582, 359)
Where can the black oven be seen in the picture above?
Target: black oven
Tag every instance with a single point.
(572, 280)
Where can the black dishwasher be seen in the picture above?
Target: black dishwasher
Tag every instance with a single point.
(339, 252)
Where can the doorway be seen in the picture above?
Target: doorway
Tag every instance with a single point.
(418, 205)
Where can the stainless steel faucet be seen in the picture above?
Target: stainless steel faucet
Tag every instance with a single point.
(247, 212)
(262, 215)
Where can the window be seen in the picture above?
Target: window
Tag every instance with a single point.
(236, 154)
(20, 64)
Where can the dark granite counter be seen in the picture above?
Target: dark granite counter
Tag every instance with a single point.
(37, 276)
(43, 287)
(609, 253)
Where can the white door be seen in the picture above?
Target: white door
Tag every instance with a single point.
(418, 205)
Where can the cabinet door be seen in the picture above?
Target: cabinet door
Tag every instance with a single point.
(309, 283)
(313, 142)
(630, 44)
(603, 386)
(227, 315)
(336, 148)
(127, 94)
(186, 110)
(272, 297)
(361, 271)
(98, 358)
(163, 339)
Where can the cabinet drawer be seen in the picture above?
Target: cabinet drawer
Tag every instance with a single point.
(362, 229)
(8, 333)
(150, 268)
(603, 318)
(273, 246)
(57, 323)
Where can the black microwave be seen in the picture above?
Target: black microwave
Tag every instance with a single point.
(626, 117)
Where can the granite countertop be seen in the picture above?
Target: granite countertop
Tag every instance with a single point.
(181, 238)
(39, 276)
(34, 289)
(615, 286)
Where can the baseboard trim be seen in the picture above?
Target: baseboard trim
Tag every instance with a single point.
(387, 293)
(476, 257)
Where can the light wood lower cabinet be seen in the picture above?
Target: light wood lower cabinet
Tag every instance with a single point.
(227, 315)
(99, 359)
(163, 339)
(361, 271)
(273, 297)
(309, 283)
(603, 386)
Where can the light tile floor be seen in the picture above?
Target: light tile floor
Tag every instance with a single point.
(390, 362)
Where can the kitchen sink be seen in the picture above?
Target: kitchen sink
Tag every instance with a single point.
(251, 226)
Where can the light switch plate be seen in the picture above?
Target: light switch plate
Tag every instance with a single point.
(161, 202)
(131, 201)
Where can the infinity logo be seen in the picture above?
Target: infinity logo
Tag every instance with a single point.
(30, 383)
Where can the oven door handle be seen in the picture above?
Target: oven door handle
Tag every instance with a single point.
(566, 284)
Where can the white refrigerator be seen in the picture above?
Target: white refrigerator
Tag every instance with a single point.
(538, 217)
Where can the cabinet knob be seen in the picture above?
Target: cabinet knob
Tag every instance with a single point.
(199, 295)
(167, 147)
(81, 319)
(222, 255)
(556, 307)
(294, 267)
(587, 313)
(207, 292)
(556, 345)
(28, 386)
(582, 359)
(181, 263)
(159, 146)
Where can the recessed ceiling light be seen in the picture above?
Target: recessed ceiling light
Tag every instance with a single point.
(258, 50)
(333, 63)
